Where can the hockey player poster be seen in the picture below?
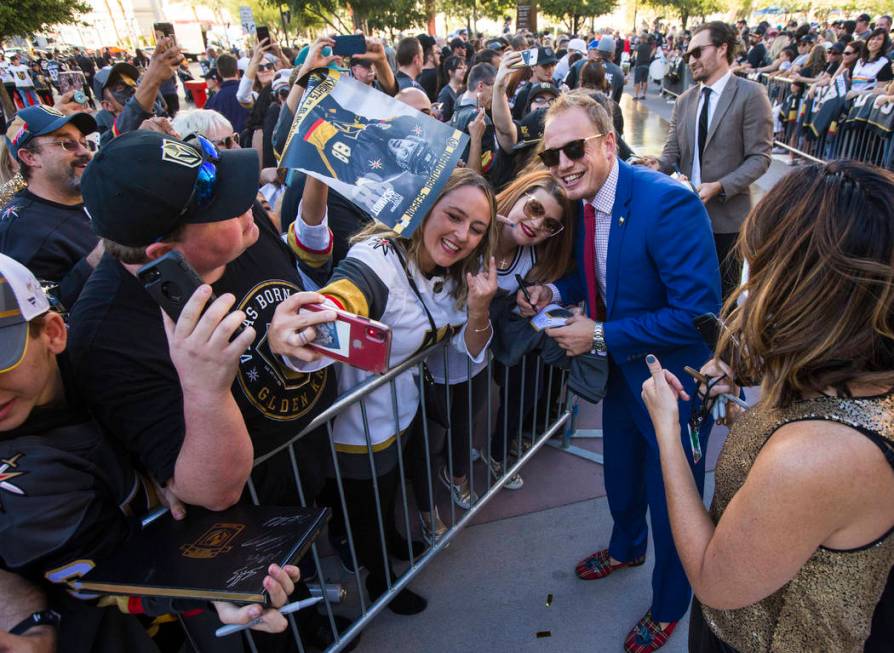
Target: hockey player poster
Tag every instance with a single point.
(384, 156)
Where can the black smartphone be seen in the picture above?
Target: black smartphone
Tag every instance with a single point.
(708, 326)
(351, 44)
(263, 32)
(164, 29)
(171, 281)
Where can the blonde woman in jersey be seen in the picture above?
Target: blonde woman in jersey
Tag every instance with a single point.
(534, 240)
(443, 258)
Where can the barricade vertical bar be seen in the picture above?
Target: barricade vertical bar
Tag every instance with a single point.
(251, 641)
(347, 517)
(425, 441)
(489, 428)
(293, 625)
(549, 394)
(537, 364)
(400, 466)
(470, 475)
(376, 494)
(449, 440)
(252, 491)
(313, 549)
(521, 407)
(505, 406)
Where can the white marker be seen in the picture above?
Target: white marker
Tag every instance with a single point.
(289, 608)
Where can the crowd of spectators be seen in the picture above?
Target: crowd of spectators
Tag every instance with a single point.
(109, 408)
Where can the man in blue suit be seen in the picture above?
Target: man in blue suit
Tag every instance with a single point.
(646, 266)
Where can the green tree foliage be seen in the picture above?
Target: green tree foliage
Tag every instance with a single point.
(574, 12)
(27, 17)
(390, 15)
(687, 8)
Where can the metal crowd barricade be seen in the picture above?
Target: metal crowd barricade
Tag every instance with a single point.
(550, 411)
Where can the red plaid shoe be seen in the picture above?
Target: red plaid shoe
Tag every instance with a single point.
(648, 635)
(598, 565)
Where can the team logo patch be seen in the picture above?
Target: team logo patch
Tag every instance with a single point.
(181, 154)
(215, 541)
(6, 476)
(53, 111)
(277, 392)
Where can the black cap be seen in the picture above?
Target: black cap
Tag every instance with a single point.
(530, 130)
(864, 18)
(457, 43)
(807, 38)
(837, 48)
(138, 209)
(359, 61)
(542, 88)
(760, 31)
(546, 56)
(106, 76)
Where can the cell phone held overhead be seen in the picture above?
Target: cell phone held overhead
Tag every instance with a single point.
(349, 45)
(352, 339)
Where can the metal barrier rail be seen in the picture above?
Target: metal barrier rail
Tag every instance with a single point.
(862, 137)
(549, 389)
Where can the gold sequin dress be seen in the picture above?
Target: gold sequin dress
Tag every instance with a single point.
(11, 187)
(828, 605)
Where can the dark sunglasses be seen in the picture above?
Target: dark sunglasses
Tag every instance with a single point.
(228, 142)
(696, 53)
(849, 52)
(574, 150)
(265, 66)
(203, 189)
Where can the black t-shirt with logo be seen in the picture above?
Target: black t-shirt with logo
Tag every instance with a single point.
(121, 360)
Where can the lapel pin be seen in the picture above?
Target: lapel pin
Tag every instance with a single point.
(621, 221)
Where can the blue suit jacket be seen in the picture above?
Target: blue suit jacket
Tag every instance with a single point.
(661, 272)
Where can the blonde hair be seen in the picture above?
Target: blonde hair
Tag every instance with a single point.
(580, 98)
(200, 121)
(413, 245)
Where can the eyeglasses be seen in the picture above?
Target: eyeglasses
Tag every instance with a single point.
(534, 210)
(265, 66)
(69, 144)
(849, 52)
(228, 142)
(203, 190)
(696, 53)
(574, 150)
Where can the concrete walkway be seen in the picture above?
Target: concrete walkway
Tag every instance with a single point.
(507, 582)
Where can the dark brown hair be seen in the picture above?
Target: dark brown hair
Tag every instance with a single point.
(720, 33)
(553, 254)
(817, 310)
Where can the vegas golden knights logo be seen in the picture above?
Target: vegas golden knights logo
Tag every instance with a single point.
(181, 154)
(215, 541)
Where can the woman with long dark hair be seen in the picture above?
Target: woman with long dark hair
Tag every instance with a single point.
(796, 549)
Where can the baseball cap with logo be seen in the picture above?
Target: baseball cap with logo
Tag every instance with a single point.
(21, 300)
(42, 120)
(529, 130)
(546, 57)
(180, 182)
(105, 76)
(577, 44)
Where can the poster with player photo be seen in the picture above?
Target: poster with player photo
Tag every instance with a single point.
(383, 155)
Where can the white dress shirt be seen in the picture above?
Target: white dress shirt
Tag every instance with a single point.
(716, 91)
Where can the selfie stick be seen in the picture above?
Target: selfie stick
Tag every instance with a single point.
(223, 631)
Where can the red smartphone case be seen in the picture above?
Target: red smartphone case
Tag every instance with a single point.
(353, 339)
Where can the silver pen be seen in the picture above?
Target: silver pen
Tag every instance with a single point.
(223, 631)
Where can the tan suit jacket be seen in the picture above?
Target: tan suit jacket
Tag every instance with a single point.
(737, 150)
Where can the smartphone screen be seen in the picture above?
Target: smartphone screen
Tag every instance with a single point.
(164, 29)
(348, 45)
(262, 32)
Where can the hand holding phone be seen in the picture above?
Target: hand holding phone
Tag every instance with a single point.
(262, 32)
(352, 339)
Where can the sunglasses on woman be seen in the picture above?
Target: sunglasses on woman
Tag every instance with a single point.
(696, 53)
(265, 66)
(534, 210)
(574, 150)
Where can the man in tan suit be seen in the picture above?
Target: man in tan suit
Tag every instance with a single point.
(720, 137)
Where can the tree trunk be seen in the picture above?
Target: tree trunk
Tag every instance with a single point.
(430, 12)
(684, 18)
(9, 107)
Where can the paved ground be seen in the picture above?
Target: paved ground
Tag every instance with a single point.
(507, 582)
